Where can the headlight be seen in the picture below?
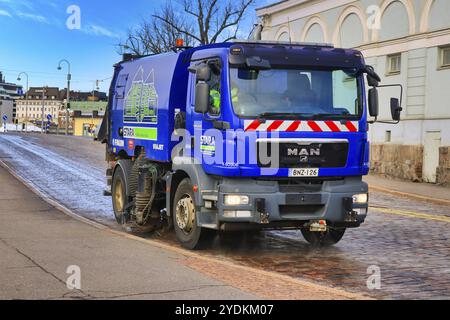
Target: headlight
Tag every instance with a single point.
(235, 200)
(360, 198)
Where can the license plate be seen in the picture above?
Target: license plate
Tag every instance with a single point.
(304, 172)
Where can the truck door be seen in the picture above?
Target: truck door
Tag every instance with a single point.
(208, 143)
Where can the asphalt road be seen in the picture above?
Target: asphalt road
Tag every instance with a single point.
(409, 241)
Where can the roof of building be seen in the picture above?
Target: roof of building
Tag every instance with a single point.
(51, 91)
(271, 5)
(278, 6)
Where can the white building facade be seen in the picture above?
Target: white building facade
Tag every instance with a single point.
(31, 110)
(407, 42)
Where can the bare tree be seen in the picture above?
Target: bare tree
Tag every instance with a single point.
(157, 35)
(203, 22)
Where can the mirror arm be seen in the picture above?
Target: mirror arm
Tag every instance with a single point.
(394, 85)
(375, 120)
(389, 122)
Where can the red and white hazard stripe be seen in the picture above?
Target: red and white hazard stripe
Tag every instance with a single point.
(301, 126)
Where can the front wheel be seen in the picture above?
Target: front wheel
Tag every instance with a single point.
(184, 215)
(119, 197)
(323, 239)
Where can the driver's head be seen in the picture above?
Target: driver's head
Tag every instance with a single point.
(298, 83)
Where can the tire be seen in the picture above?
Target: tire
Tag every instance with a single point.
(184, 216)
(118, 192)
(323, 239)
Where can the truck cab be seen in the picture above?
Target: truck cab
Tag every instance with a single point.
(254, 135)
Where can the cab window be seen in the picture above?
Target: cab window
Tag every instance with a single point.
(215, 91)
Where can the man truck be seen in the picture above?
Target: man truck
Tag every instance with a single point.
(242, 136)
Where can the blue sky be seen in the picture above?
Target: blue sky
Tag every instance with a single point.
(34, 37)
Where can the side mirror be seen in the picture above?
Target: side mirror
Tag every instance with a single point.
(202, 72)
(202, 97)
(396, 110)
(373, 102)
(371, 81)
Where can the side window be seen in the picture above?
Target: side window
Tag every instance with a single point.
(120, 87)
(215, 91)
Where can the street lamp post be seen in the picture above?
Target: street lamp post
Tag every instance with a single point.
(69, 77)
(44, 92)
(26, 99)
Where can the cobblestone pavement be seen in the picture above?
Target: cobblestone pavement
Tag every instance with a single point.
(408, 240)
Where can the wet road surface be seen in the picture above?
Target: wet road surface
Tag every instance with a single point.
(409, 241)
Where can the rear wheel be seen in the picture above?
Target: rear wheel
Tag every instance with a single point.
(184, 215)
(119, 197)
(323, 239)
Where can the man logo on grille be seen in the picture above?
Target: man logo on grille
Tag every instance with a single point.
(303, 152)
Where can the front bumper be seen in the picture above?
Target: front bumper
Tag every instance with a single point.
(271, 202)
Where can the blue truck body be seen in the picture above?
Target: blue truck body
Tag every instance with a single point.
(148, 93)
(169, 76)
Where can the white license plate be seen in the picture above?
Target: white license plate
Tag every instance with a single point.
(309, 172)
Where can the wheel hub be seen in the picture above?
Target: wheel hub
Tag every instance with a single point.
(185, 213)
(118, 196)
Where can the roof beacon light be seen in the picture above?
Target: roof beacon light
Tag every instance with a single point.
(179, 43)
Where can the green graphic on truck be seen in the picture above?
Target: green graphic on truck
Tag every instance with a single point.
(141, 102)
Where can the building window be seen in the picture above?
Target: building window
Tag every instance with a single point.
(388, 136)
(444, 61)
(394, 64)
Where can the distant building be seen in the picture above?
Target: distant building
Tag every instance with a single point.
(86, 124)
(31, 109)
(84, 96)
(8, 93)
(407, 42)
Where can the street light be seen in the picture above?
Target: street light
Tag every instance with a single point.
(44, 93)
(26, 98)
(69, 77)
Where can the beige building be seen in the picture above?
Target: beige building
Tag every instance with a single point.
(407, 42)
(31, 109)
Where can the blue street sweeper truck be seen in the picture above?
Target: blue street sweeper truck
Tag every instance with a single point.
(242, 136)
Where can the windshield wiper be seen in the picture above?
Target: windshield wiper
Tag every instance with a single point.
(283, 115)
(322, 116)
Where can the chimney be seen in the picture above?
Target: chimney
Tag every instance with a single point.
(2, 80)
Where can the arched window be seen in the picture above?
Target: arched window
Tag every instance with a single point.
(438, 17)
(283, 37)
(394, 22)
(351, 28)
(351, 33)
(315, 34)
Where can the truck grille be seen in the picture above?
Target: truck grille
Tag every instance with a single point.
(303, 155)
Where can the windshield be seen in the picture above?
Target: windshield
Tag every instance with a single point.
(295, 92)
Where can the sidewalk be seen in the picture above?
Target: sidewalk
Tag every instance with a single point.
(38, 243)
(420, 191)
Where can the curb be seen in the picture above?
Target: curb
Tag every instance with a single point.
(340, 293)
(410, 195)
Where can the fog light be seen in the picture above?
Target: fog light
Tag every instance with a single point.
(237, 214)
(209, 204)
(361, 211)
(360, 198)
(235, 200)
